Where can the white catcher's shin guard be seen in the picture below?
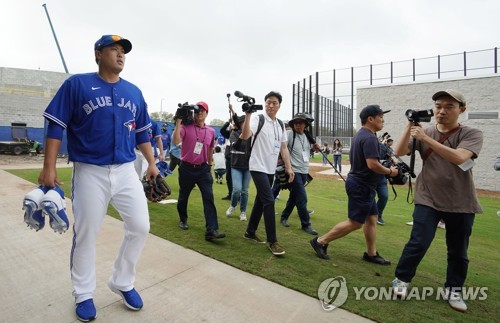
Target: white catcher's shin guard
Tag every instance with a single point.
(54, 206)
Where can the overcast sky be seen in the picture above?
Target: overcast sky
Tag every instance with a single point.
(192, 50)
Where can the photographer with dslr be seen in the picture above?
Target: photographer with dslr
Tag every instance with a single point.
(360, 185)
(444, 190)
(300, 150)
(196, 161)
(269, 140)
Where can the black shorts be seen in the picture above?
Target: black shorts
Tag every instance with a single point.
(361, 200)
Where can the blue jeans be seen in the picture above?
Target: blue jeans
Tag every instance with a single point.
(325, 160)
(202, 176)
(264, 204)
(337, 162)
(241, 181)
(458, 231)
(298, 197)
(382, 194)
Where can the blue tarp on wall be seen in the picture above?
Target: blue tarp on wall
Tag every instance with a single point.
(38, 134)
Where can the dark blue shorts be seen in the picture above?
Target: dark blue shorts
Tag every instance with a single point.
(361, 200)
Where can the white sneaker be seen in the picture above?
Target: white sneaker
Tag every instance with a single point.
(455, 300)
(243, 216)
(400, 288)
(409, 223)
(230, 211)
(441, 225)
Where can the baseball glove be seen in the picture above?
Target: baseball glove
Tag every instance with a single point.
(156, 189)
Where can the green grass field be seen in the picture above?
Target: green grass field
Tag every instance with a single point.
(301, 270)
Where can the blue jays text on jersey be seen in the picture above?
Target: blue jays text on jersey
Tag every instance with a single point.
(104, 121)
(107, 101)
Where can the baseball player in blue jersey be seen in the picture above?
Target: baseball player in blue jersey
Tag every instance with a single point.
(104, 117)
(154, 135)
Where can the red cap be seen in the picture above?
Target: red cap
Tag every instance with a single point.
(202, 105)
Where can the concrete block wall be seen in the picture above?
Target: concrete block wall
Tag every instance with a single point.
(24, 95)
(481, 94)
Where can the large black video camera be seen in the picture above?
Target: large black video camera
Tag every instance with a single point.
(249, 102)
(185, 112)
(404, 171)
(403, 174)
(419, 116)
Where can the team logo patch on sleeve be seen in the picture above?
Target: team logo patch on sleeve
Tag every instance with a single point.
(130, 126)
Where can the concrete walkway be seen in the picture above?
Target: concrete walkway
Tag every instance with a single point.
(176, 284)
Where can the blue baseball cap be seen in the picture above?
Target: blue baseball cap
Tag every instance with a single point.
(107, 40)
(371, 111)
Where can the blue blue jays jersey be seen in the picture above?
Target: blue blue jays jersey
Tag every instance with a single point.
(101, 119)
(154, 131)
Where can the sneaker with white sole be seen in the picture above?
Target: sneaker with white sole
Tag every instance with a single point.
(243, 216)
(253, 237)
(230, 211)
(455, 300)
(131, 298)
(276, 249)
(400, 288)
(85, 311)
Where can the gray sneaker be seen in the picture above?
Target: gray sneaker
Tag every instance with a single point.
(253, 237)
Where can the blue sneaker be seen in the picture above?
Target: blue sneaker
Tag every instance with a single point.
(131, 298)
(85, 311)
(380, 221)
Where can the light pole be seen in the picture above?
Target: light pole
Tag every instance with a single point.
(161, 108)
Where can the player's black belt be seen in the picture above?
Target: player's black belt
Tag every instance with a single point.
(186, 164)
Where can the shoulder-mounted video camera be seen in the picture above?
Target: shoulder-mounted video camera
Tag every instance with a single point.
(249, 102)
(416, 116)
(186, 113)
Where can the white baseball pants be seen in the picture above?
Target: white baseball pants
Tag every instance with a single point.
(94, 188)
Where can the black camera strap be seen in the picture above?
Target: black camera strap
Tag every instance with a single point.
(443, 138)
(261, 124)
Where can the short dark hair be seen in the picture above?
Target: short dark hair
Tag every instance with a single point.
(217, 149)
(276, 94)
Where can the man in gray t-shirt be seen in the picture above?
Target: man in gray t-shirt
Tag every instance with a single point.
(444, 190)
(299, 148)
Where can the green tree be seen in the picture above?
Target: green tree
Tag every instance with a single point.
(162, 116)
(217, 122)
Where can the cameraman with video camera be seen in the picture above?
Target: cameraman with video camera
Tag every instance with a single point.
(269, 140)
(196, 162)
(444, 190)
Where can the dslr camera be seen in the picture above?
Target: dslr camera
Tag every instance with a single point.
(185, 112)
(249, 102)
(417, 116)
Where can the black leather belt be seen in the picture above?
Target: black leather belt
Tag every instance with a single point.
(192, 165)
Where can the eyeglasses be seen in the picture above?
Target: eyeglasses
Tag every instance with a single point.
(199, 110)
